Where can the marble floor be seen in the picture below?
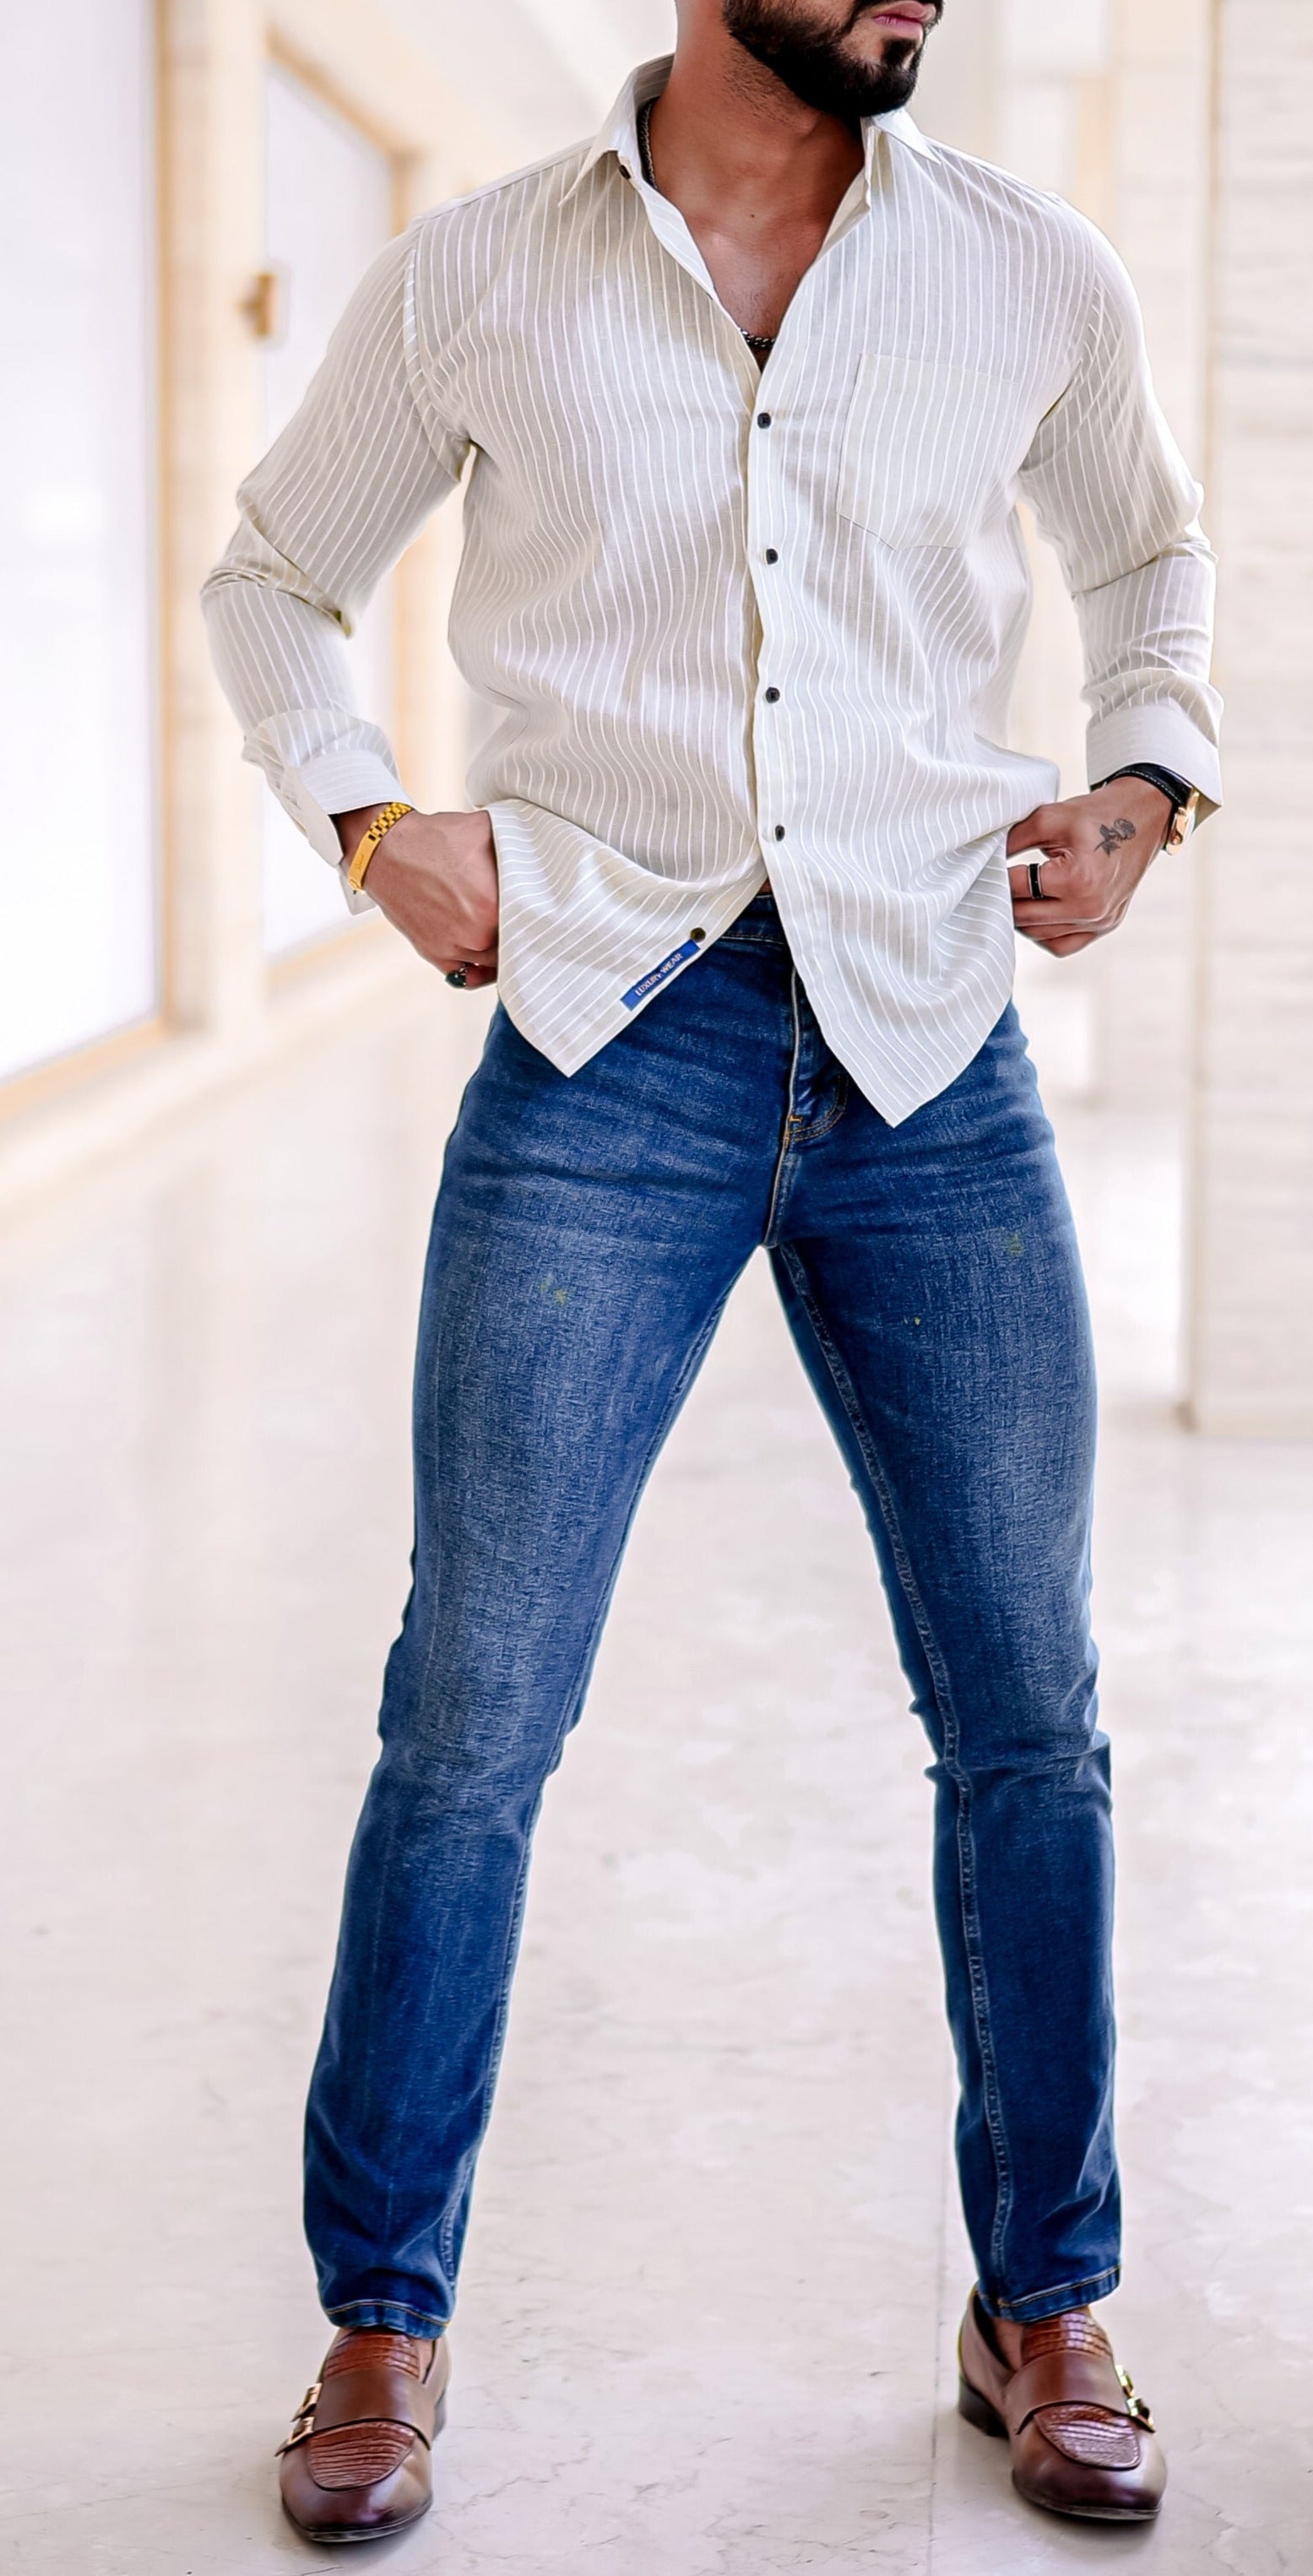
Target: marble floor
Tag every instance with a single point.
(716, 2263)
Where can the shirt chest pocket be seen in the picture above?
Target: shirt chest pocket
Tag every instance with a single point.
(929, 452)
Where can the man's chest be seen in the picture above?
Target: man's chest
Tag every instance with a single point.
(612, 392)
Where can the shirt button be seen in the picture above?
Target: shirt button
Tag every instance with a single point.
(771, 556)
(779, 831)
(772, 697)
(763, 420)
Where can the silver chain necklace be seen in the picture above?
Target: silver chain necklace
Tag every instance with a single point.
(760, 343)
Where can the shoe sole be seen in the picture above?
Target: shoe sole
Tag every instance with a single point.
(383, 2530)
(344, 2539)
(986, 2419)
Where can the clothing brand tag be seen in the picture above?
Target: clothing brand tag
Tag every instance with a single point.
(648, 983)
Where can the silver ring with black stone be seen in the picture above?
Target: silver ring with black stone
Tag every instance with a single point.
(459, 976)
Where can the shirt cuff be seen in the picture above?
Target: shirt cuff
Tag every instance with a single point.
(338, 782)
(1163, 735)
(335, 784)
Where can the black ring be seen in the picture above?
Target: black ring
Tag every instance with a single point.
(459, 976)
(1037, 894)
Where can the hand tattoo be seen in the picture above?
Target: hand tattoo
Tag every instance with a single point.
(1112, 834)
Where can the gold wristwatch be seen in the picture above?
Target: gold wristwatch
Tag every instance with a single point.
(1183, 822)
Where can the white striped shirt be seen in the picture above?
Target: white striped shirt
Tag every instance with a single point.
(723, 623)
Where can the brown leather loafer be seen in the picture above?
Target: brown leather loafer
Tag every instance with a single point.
(356, 2464)
(1082, 2441)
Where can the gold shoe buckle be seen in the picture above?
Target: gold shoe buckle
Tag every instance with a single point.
(303, 2422)
(1135, 2406)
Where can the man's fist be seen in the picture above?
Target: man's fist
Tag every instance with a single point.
(435, 877)
(1092, 853)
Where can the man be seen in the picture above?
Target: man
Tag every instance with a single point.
(747, 391)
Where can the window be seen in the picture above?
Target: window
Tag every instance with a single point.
(78, 939)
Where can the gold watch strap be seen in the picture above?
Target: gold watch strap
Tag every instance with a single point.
(1184, 821)
(369, 841)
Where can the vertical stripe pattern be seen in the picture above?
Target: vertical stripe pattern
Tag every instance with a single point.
(725, 623)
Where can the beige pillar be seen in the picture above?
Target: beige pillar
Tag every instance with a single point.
(1251, 1300)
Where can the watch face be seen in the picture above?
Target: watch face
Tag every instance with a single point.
(1183, 822)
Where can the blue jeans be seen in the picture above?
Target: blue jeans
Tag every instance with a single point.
(587, 1235)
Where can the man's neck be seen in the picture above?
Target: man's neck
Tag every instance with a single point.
(737, 150)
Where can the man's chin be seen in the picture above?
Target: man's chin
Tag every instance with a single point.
(880, 91)
(886, 80)
(838, 81)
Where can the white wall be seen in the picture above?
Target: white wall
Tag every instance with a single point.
(1252, 1270)
(328, 210)
(77, 534)
(541, 73)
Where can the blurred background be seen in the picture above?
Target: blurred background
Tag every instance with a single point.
(225, 173)
(222, 1108)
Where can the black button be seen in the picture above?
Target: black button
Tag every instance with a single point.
(771, 556)
(763, 420)
(697, 934)
(779, 831)
(772, 697)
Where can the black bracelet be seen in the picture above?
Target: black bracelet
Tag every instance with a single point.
(1165, 780)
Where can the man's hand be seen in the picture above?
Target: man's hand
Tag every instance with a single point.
(1095, 849)
(435, 877)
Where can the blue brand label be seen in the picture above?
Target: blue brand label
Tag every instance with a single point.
(648, 983)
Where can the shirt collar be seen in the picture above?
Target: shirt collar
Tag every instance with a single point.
(619, 132)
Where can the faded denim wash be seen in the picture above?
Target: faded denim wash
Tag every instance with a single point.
(587, 1234)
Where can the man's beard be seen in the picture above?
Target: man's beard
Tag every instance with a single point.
(816, 67)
